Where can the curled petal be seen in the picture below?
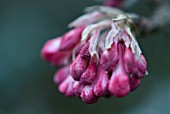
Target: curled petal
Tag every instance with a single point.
(94, 43)
(134, 44)
(66, 86)
(78, 67)
(102, 41)
(102, 25)
(111, 35)
(88, 96)
(100, 88)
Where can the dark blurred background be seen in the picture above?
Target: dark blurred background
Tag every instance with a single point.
(26, 81)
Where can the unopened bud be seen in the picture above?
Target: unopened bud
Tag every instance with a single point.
(88, 77)
(119, 82)
(71, 39)
(51, 53)
(88, 96)
(109, 58)
(77, 88)
(84, 52)
(66, 86)
(78, 67)
(142, 66)
(129, 61)
(61, 75)
(100, 88)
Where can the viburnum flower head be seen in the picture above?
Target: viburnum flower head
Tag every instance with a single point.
(99, 57)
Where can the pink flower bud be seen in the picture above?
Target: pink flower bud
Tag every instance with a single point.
(50, 48)
(51, 53)
(62, 58)
(77, 88)
(129, 61)
(88, 77)
(119, 85)
(71, 38)
(78, 67)
(78, 48)
(61, 74)
(142, 66)
(88, 96)
(109, 58)
(84, 52)
(100, 88)
(66, 86)
(119, 82)
(134, 82)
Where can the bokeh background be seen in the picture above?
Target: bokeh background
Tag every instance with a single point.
(26, 82)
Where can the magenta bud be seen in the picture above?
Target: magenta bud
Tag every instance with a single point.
(78, 48)
(51, 53)
(119, 81)
(77, 88)
(129, 61)
(78, 67)
(61, 74)
(62, 58)
(109, 58)
(84, 52)
(50, 48)
(142, 66)
(119, 85)
(134, 82)
(71, 38)
(88, 96)
(101, 87)
(88, 77)
(66, 86)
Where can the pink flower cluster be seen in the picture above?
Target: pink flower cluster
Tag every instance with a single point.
(98, 58)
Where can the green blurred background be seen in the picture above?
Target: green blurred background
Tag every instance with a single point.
(26, 82)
